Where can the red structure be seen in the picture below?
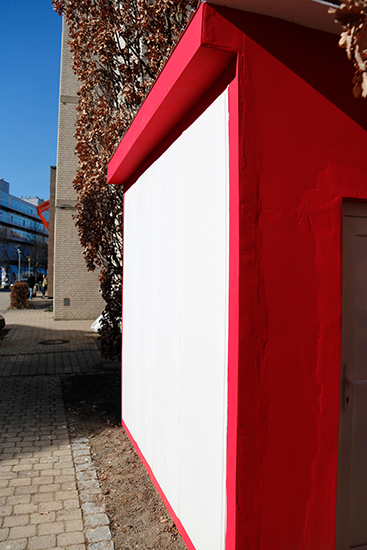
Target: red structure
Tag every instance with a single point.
(43, 207)
(297, 145)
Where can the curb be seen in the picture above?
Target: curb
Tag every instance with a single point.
(96, 522)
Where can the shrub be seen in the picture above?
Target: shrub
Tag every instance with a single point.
(19, 295)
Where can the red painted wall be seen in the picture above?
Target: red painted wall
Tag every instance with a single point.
(303, 141)
(298, 144)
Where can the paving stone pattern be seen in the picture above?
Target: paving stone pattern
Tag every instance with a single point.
(22, 337)
(49, 493)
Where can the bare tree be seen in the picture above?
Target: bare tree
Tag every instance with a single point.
(38, 253)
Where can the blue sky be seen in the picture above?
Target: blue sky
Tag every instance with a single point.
(30, 46)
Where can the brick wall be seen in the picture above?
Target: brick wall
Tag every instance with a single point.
(75, 291)
(51, 233)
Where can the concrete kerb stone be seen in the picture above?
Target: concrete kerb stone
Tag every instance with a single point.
(96, 521)
(98, 534)
(104, 545)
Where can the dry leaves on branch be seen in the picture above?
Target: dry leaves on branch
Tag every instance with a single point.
(352, 15)
(118, 48)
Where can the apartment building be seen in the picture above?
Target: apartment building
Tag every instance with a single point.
(23, 238)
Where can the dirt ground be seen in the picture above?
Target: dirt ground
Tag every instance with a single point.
(138, 517)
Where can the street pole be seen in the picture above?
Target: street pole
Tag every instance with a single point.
(19, 252)
(29, 266)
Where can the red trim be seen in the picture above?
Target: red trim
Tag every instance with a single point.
(122, 294)
(177, 522)
(43, 207)
(233, 310)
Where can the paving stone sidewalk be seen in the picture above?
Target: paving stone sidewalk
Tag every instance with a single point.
(34, 331)
(49, 493)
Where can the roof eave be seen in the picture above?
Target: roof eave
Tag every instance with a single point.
(309, 13)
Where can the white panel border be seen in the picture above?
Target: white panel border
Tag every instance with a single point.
(175, 322)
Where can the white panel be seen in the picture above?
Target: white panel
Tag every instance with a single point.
(175, 331)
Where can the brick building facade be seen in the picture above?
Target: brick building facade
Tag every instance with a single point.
(75, 290)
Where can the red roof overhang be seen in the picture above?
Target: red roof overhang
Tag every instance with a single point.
(206, 49)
